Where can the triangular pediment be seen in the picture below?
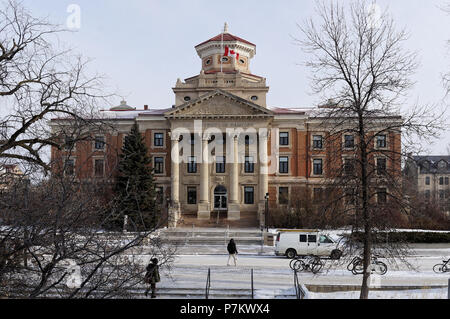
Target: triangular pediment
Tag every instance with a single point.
(219, 104)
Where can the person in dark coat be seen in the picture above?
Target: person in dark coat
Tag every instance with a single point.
(232, 251)
(152, 277)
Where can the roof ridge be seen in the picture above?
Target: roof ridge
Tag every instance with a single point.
(226, 38)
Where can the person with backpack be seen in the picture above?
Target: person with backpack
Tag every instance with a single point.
(232, 251)
(152, 277)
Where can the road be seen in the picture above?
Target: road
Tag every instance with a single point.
(273, 274)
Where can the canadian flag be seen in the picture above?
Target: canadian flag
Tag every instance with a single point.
(229, 52)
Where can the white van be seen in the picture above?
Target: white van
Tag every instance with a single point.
(303, 242)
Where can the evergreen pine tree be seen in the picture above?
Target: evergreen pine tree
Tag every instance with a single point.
(135, 185)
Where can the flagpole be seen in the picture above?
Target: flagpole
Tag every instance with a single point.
(221, 52)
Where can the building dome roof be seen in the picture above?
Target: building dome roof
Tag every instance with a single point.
(122, 107)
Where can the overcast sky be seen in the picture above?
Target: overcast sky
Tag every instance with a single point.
(144, 46)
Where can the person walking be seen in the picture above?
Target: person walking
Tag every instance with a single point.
(152, 277)
(232, 251)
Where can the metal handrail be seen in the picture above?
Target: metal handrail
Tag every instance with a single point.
(253, 290)
(300, 290)
(208, 283)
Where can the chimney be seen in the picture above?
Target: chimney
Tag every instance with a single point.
(145, 107)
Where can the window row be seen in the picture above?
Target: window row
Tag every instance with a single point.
(249, 195)
(348, 141)
(442, 180)
(442, 194)
(99, 143)
(99, 167)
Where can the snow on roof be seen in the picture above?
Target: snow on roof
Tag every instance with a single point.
(290, 110)
(132, 114)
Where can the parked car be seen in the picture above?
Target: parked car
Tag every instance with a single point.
(303, 242)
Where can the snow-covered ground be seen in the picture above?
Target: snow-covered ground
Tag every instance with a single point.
(387, 294)
(273, 277)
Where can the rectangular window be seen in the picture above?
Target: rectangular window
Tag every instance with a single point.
(303, 238)
(99, 167)
(284, 164)
(249, 165)
(349, 141)
(284, 138)
(427, 180)
(381, 166)
(159, 165)
(69, 143)
(381, 141)
(441, 181)
(159, 192)
(441, 194)
(312, 238)
(427, 194)
(283, 195)
(159, 139)
(192, 139)
(348, 167)
(317, 192)
(249, 140)
(220, 164)
(317, 167)
(317, 141)
(446, 181)
(100, 143)
(382, 195)
(192, 195)
(249, 194)
(69, 167)
(192, 165)
(350, 196)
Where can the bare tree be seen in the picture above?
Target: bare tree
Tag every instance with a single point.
(446, 76)
(38, 81)
(56, 227)
(360, 67)
(51, 226)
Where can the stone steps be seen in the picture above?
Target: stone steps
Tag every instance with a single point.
(248, 219)
(199, 236)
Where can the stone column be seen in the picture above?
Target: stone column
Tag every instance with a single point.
(234, 211)
(263, 174)
(204, 211)
(174, 209)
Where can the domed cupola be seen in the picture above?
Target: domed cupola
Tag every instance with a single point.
(226, 53)
(123, 107)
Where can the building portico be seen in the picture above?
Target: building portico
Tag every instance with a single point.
(226, 145)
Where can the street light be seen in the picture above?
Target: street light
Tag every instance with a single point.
(168, 204)
(267, 211)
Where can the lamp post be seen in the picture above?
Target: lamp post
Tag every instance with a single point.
(167, 209)
(267, 211)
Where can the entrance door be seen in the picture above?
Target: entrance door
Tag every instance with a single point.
(220, 199)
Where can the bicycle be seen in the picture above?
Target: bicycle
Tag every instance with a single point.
(356, 266)
(313, 264)
(355, 261)
(441, 268)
